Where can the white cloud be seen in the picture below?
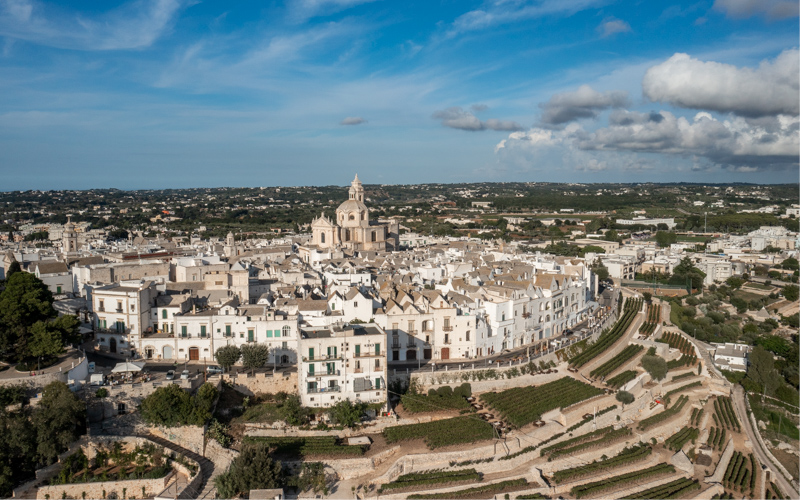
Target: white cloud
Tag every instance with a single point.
(353, 120)
(732, 144)
(613, 26)
(301, 10)
(458, 118)
(772, 9)
(133, 25)
(498, 12)
(582, 103)
(770, 89)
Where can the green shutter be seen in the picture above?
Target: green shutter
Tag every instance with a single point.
(377, 383)
(311, 353)
(227, 330)
(163, 314)
(183, 331)
(311, 369)
(377, 348)
(277, 333)
(269, 334)
(250, 335)
(202, 330)
(358, 350)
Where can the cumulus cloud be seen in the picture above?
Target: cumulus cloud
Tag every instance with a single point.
(772, 9)
(353, 120)
(582, 103)
(612, 26)
(735, 144)
(770, 89)
(461, 119)
(479, 107)
(132, 25)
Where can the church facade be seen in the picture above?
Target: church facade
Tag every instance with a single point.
(352, 229)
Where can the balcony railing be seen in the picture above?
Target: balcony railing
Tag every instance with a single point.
(317, 390)
(322, 357)
(327, 373)
(447, 328)
(396, 345)
(119, 310)
(369, 354)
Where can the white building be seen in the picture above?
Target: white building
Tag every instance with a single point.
(732, 357)
(342, 362)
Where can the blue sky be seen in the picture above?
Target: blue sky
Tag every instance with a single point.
(175, 93)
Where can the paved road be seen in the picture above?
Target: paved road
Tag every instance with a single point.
(778, 478)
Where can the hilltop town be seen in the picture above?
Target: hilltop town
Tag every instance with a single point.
(468, 341)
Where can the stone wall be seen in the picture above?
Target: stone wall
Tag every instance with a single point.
(187, 436)
(285, 381)
(131, 488)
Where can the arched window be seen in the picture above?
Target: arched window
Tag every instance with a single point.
(352, 217)
(287, 330)
(364, 216)
(322, 238)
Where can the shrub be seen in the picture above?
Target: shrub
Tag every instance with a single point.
(625, 397)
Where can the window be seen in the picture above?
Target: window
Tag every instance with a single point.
(251, 336)
(227, 330)
(269, 334)
(377, 349)
(311, 369)
(374, 236)
(355, 304)
(411, 326)
(358, 350)
(284, 345)
(101, 306)
(377, 363)
(287, 330)
(163, 313)
(467, 335)
(446, 338)
(133, 307)
(322, 238)
(377, 383)
(504, 317)
(202, 330)
(311, 354)
(395, 326)
(332, 352)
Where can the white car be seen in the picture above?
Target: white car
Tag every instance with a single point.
(185, 375)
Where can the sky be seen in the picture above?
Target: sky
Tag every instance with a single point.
(151, 94)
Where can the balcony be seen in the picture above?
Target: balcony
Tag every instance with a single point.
(327, 373)
(101, 309)
(447, 328)
(369, 354)
(396, 345)
(412, 332)
(318, 390)
(411, 344)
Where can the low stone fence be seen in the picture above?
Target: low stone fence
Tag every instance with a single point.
(140, 488)
(190, 437)
(281, 381)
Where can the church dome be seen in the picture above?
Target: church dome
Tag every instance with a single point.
(352, 206)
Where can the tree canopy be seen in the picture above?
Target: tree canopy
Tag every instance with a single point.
(172, 406)
(656, 366)
(25, 301)
(347, 413)
(253, 469)
(227, 356)
(254, 356)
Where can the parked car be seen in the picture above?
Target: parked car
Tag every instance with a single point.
(213, 370)
(171, 375)
(185, 375)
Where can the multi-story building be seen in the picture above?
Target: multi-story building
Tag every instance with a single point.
(342, 362)
(122, 313)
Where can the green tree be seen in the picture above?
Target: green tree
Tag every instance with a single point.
(227, 356)
(203, 402)
(686, 270)
(14, 267)
(625, 397)
(46, 340)
(169, 406)
(253, 469)
(254, 356)
(734, 282)
(59, 419)
(600, 270)
(791, 292)
(611, 235)
(761, 370)
(656, 366)
(665, 238)
(647, 296)
(347, 413)
(18, 457)
(791, 264)
(24, 301)
(292, 411)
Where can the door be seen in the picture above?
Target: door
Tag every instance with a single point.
(167, 352)
(426, 354)
(148, 352)
(194, 354)
(411, 355)
(445, 353)
(112, 345)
